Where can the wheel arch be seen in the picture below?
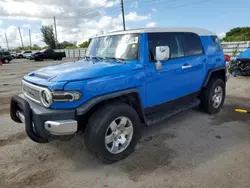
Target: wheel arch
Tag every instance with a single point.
(130, 97)
(218, 73)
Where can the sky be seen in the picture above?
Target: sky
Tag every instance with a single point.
(78, 20)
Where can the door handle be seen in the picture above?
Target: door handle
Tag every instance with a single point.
(186, 67)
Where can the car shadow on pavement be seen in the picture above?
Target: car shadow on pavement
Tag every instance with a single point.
(186, 140)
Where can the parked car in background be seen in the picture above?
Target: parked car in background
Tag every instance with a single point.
(19, 55)
(31, 57)
(127, 79)
(27, 54)
(240, 66)
(13, 55)
(49, 54)
(23, 54)
(5, 56)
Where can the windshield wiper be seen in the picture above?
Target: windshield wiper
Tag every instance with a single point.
(93, 57)
(121, 60)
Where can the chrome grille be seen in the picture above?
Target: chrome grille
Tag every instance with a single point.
(32, 92)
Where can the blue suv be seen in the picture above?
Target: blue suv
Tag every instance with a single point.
(127, 79)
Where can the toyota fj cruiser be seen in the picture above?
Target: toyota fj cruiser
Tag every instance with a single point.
(127, 79)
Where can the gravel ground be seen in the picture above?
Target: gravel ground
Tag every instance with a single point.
(190, 150)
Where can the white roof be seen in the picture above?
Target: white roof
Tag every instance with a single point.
(198, 31)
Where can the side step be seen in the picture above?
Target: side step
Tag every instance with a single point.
(160, 116)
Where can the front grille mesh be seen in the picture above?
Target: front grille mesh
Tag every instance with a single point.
(32, 92)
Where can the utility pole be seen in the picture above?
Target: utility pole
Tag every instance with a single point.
(123, 17)
(55, 28)
(7, 41)
(30, 38)
(20, 36)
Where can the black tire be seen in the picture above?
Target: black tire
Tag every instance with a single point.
(99, 122)
(207, 95)
(20, 56)
(60, 58)
(6, 61)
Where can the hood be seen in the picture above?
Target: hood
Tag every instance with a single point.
(81, 70)
(244, 55)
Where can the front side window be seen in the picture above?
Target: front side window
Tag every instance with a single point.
(164, 39)
(6, 53)
(123, 46)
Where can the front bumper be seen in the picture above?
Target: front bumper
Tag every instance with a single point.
(42, 124)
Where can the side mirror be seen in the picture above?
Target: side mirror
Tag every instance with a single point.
(162, 53)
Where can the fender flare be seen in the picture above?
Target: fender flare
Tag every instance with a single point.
(85, 107)
(209, 74)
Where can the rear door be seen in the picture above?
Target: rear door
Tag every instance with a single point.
(195, 60)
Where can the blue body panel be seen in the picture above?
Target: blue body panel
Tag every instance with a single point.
(95, 78)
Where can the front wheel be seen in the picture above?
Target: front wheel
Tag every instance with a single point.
(112, 132)
(213, 96)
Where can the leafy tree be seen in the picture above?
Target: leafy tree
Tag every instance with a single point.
(66, 44)
(85, 44)
(238, 34)
(48, 36)
(36, 47)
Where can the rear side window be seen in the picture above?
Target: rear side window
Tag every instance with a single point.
(164, 39)
(6, 53)
(217, 43)
(191, 44)
(27, 52)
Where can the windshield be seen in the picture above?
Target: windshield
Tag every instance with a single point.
(115, 46)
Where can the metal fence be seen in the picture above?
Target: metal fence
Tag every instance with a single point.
(236, 48)
(73, 53)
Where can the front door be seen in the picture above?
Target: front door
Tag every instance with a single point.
(174, 80)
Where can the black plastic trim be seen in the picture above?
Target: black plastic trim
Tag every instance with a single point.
(84, 108)
(210, 73)
(18, 102)
(36, 116)
(171, 104)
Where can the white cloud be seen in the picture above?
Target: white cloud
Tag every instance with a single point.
(151, 24)
(221, 35)
(1, 22)
(77, 20)
(154, 10)
(134, 17)
(26, 26)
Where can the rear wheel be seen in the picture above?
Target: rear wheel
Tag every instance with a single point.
(6, 61)
(60, 58)
(112, 132)
(213, 96)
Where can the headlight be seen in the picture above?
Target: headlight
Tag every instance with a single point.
(66, 96)
(46, 98)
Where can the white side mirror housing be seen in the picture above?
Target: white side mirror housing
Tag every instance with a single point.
(162, 53)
